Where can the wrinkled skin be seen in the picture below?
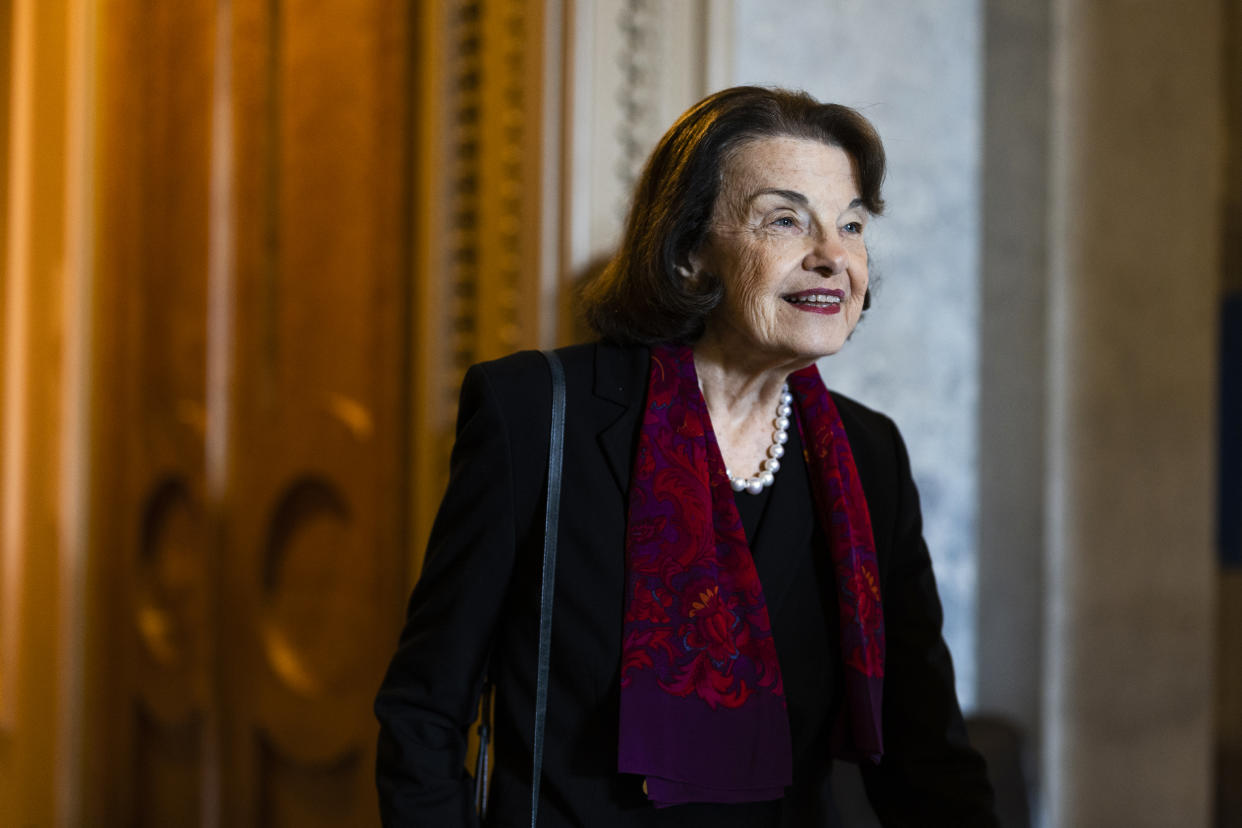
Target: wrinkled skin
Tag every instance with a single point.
(788, 221)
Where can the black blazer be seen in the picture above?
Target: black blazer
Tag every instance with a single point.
(477, 599)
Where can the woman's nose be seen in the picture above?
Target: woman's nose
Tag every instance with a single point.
(827, 256)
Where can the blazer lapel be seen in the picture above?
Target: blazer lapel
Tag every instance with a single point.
(621, 377)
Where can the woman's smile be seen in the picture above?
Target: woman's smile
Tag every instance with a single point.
(817, 300)
(786, 243)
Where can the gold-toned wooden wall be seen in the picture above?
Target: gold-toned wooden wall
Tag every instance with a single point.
(154, 551)
(305, 219)
(254, 255)
(481, 162)
(39, 473)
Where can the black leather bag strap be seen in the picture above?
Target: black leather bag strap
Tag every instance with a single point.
(551, 523)
(481, 767)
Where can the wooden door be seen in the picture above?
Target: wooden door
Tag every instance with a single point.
(313, 215)
(254, 261)
(155, 674)
(314, 530)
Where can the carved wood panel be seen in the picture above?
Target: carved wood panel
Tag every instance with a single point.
(252, 603)
(314, 564)
(311, 227)
(154, 173)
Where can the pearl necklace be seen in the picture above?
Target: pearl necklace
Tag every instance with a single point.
(780, 436)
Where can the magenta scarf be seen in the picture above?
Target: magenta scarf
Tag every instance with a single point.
(703, 714)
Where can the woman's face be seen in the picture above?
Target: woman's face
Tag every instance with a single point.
(786, 241)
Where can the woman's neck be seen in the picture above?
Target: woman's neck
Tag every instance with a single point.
(742, 396)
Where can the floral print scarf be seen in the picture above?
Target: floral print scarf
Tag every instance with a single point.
(703, 715)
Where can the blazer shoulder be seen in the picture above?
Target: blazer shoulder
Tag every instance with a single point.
(520, 387)
(516, 369)
(523, 365)
(592, 367)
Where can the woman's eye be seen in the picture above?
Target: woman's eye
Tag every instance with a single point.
(785, 221)
(853, 227)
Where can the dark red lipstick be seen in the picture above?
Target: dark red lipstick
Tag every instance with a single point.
(816, 300)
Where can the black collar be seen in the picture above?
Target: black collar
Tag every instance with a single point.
(621, 378)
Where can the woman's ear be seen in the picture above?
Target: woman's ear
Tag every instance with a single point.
(690, 268)
(691, 275)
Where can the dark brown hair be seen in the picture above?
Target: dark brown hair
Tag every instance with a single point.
(639, 297)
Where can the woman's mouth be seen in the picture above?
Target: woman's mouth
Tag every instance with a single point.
(817, 301)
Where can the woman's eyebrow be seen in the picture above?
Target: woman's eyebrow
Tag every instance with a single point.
(798, 198)
(791, 195)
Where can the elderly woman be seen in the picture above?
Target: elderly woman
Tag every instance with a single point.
(743, 593)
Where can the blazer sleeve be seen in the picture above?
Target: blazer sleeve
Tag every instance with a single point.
(429, 695)
(929, 775)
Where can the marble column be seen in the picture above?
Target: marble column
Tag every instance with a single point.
(1012, 369)
(1134, 232)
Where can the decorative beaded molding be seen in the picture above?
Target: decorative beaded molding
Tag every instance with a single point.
(494, 101)
(633, 67)
(511, 115)
(636, 58)
(465, 72)
(479, 207)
